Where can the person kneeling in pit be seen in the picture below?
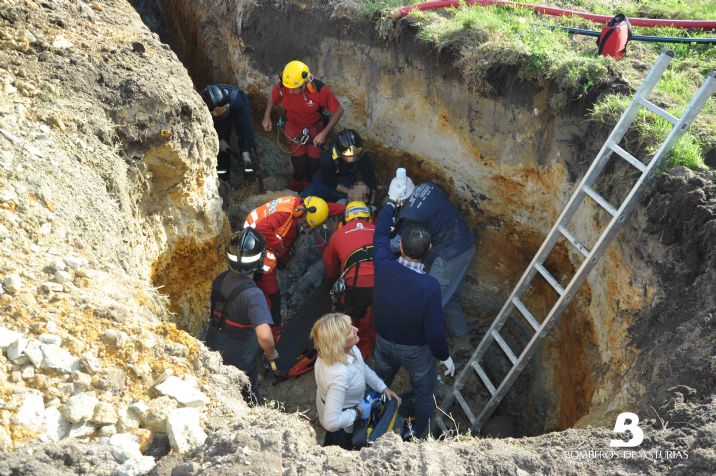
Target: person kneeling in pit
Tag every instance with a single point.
(240, 317)
(341, 377)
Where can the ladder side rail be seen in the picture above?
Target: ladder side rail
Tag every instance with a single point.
(578, 196)
(692, 110)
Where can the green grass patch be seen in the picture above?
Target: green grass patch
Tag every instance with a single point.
(501, 44)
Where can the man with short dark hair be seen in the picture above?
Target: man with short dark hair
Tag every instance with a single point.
(408, 314)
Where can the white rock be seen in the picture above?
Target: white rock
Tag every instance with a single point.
(91, 363)
(16, 349)
(104, 414)
(59, 265)
(63, 277)
(12, 283)
(81, 430)
(45, 229)
(28, 372)
(183, 392)
(7, 337)
(128, 421)
(32, 411)
(138, 408)
(8, 195)
(52, 286)
(59, 359)
(79, 407)
(125, 446)
(61, 43)
(135, 467)
(52, 327)
(184, 430)
(33, 351)
(107, 430)
(5, 439)
(81, 381)
(56, 427)
(51, 338)
(155, 418)
(75, 262)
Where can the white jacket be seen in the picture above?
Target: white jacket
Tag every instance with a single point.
(341, 387)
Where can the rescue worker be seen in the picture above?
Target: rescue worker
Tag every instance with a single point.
(231, 112)
(280, 221)
(240, 319)
(453, 244)
(343, 166)
(348, 261)
(408, 314)
(305, 100)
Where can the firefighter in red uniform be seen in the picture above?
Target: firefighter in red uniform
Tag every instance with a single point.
(348, 260)
(279, 221)
(305, 101)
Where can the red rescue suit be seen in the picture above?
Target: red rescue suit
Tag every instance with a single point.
(352, 236)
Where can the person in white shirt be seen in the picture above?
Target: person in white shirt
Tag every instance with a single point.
(341, 377)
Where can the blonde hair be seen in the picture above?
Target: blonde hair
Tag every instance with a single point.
(329, 337)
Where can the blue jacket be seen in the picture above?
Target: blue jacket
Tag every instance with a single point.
(407, 305)
(239, 117)
(429, 206)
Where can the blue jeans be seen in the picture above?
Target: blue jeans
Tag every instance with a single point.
(450, 274)
(422, 368)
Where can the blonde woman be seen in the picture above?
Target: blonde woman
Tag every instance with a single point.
(341, 377)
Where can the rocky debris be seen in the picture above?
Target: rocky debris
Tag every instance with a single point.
(158, 410)
(184, 430)
(12, 284)
(32, 411)
(104, 414)
(57, 358)
(183, 391)
(80, 407)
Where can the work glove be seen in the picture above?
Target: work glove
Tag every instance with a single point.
(247, 158)
(272, 362)
(449, 365)
(224, 146)
(400, 187)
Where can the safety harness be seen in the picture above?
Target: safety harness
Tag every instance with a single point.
(313, 86)
(354, 260)
(218, 313)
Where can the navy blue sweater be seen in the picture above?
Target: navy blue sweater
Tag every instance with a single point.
(407, 305)
(239, 117)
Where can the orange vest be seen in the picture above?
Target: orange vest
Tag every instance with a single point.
(282, 204)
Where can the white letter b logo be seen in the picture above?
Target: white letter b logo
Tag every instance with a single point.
(633, 426)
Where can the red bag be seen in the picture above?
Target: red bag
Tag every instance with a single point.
(614, 37)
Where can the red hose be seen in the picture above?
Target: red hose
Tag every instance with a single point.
(702, 24)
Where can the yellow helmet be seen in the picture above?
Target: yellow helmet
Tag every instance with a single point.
(316, 210)
(356, 209)
(295, 75)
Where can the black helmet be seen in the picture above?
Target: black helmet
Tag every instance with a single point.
(214, 97)
(349, 143)
(245, 251)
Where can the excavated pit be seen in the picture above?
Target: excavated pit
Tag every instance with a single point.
(508, 161)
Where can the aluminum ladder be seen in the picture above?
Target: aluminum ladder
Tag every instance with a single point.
(497, 390)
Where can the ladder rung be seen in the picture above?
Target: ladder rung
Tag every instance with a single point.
(550, 279)
(628, 157)
(465, 407)
(658, 111)
(598, 198)
(572, 239)
(505, 348)
(483, 376)
(527, 314)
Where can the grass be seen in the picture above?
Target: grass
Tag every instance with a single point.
(496, 42)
